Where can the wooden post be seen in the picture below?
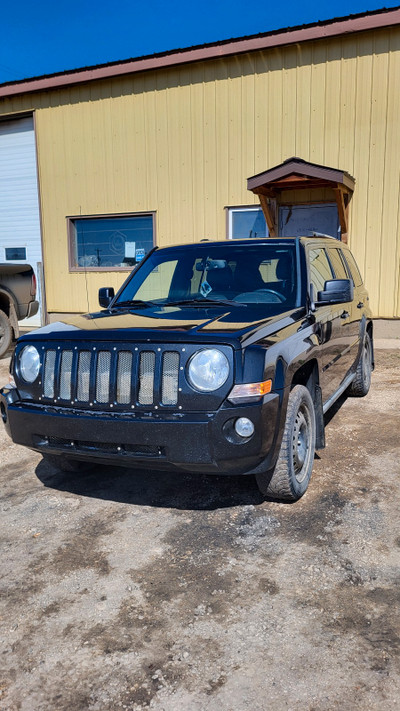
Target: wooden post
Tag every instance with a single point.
(269, 218)
(342, 207)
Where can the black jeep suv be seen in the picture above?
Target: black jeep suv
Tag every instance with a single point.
(217, 357)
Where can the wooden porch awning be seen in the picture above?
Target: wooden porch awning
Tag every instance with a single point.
(298, 174)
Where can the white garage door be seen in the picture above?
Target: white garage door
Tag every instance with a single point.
(20, 241)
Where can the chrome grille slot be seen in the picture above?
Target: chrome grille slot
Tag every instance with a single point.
(82, 393)
(124, 375)
(146, 377)
(115, 378)
(170, 372)
(65, 375)
(103, 376)
(48, 380)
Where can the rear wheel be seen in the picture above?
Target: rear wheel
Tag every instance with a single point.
(6, 333)
(362, 382)
(65, 464)
(290, 477)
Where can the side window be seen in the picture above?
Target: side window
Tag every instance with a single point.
(355, 273)
(335, 259)
(320, 269)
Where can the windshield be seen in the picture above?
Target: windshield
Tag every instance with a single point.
(226, 273)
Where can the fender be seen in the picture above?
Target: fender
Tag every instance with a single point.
(293, 361)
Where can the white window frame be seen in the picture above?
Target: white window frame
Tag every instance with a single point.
(240, 208)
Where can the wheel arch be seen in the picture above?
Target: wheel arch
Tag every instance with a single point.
(8, 306)
(307, 374)
(370, 330)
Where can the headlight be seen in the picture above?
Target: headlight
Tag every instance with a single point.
(29, 364)
(208, 370)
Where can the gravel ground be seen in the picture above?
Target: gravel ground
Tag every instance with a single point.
(127, 589)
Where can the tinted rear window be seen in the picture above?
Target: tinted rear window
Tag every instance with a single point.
(336, 260)
(354, 270)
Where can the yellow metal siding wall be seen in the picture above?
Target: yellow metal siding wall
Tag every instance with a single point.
(183, 141)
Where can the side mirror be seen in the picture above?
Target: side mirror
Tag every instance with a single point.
(336, 291)
(106, 295)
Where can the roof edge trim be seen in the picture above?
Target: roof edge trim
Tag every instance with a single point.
(316, 31)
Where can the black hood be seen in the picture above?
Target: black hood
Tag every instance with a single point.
(236, 326)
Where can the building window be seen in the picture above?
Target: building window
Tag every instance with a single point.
(246, 222)
(15, 253)
(112, 242)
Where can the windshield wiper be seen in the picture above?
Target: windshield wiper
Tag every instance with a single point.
(135, 304)
(202, 302)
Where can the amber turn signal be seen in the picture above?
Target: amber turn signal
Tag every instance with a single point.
(248, 392)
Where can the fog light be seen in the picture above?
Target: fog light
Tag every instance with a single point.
(244, 427)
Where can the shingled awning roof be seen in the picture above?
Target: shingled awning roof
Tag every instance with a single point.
(298, 174)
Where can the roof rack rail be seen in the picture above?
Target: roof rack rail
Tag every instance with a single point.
(320, 234)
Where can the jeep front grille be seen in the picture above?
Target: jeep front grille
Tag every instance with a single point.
(103, 377)
(124, 377)
(65, 375)
(115, 377)
(146, 377)
(48, 378)
(170, 371)
(84, 359)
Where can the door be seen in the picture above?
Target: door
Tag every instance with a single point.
(20, 239)
(350, 316)
(331, 325)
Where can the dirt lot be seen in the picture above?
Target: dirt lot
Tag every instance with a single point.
(129, 590)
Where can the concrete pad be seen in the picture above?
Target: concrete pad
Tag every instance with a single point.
(386, 343)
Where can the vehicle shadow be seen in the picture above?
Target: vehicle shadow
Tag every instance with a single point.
(146, 487)
(335, 409)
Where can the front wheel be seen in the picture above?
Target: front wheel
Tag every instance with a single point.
(290, 477)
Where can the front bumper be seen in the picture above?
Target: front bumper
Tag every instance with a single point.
(204, 442)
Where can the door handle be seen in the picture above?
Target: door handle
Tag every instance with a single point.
(360, 304)
(345, 314)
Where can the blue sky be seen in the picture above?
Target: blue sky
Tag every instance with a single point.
(51, 36)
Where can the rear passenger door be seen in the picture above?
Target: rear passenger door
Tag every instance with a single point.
(360, 304)
(349, 319)
(330, 325)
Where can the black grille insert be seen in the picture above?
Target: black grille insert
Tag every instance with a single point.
(138, 450)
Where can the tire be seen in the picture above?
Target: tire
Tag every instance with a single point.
(6, 334)
(292, 473)
(65, 464)
(362, 382)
